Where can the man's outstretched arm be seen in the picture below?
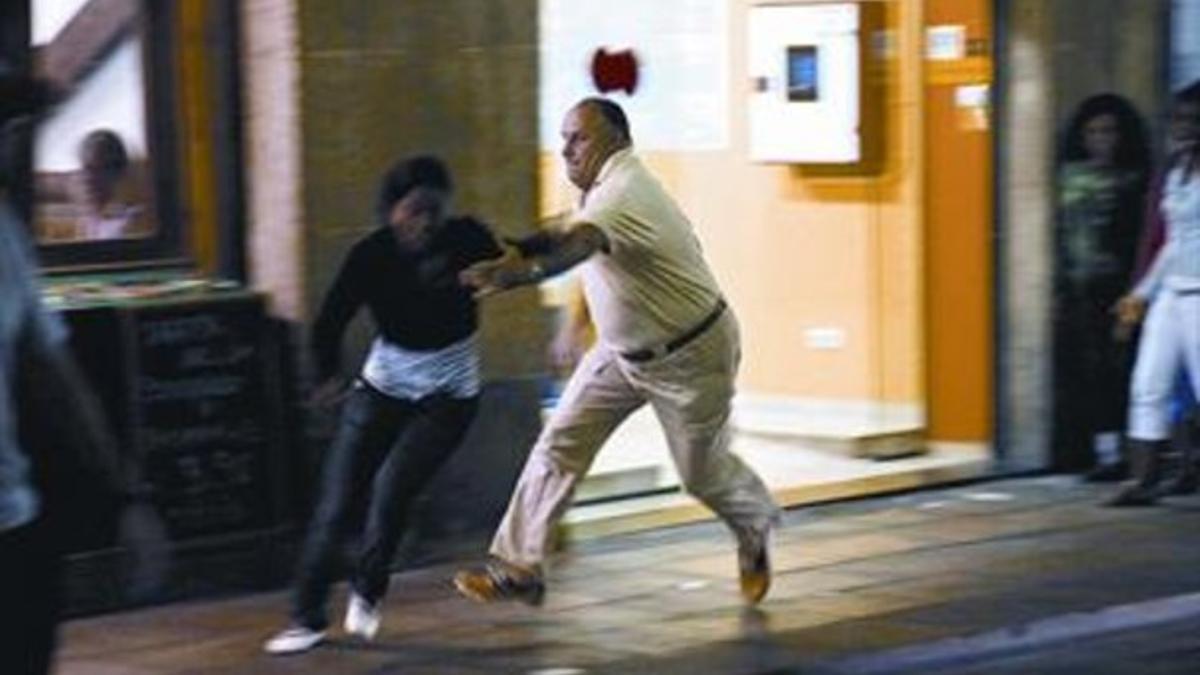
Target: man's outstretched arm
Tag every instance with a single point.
(553, 254)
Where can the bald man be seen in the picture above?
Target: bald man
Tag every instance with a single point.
(665, 336)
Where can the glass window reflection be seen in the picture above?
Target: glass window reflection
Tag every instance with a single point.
(91, 158)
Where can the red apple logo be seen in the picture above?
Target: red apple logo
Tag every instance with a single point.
(615, 71)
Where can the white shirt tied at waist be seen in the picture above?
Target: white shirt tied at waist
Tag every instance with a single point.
(1177, 265)
(653, 283)
(415, 374)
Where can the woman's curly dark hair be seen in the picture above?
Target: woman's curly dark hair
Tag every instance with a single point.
(1133, 146)
(406, 175)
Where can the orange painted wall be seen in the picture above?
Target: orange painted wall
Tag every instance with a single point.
(958, 235)
(797, 248)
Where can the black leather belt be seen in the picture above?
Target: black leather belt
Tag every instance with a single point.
(695, 332)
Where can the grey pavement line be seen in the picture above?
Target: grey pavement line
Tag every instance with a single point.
(1041, 633)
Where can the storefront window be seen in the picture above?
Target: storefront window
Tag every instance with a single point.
(90, 158)
(102, 163)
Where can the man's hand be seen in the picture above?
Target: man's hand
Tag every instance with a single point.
(330, 392)
(498, 274)
(142, 534)
(1129, 310)
(574, 335)
(569, 345)
(511, 269)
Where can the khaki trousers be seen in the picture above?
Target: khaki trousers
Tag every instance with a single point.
(690, 390)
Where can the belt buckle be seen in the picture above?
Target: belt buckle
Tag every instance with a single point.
(647, 354)
(658, 352)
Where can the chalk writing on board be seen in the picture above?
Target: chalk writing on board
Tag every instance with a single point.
(203, 425)
(181, 330)
(243, 432)
(212, 386)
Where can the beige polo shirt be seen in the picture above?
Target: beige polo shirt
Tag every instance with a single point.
(653, 284)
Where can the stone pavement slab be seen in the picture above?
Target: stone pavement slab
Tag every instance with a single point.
(854, 581)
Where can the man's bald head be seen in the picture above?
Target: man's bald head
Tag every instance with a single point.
(612, 114)
(593, 130)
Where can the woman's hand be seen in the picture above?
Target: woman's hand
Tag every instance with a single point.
(1129, 310)
(498, 274)
(330, 392)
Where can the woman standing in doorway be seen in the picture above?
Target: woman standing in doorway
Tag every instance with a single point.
(1101, 186)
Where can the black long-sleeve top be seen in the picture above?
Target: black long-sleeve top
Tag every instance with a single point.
(414, 296)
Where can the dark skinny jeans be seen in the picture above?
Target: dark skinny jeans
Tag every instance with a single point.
(387, 450)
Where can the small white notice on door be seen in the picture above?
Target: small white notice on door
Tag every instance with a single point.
(945, 43)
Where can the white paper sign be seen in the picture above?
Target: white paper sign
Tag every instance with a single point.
(681, 48)
(945, 43)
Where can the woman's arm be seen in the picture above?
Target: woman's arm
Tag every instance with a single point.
(341, 303)
(1152, 279)
(1153, 229)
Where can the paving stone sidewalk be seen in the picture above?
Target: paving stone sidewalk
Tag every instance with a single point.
(888, 584)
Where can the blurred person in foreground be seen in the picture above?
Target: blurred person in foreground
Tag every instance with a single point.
(48, 418)
(665, 337)
(1167, 296)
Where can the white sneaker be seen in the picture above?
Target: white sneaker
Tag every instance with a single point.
(362, 618)
(294, 640)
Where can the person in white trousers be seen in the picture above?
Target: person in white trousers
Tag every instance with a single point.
(1171, 289)
(665, 337)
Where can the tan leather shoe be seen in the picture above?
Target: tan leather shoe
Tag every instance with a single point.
(754, 565)
(499, 580)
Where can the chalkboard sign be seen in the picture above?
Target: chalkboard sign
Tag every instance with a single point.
(204, 414)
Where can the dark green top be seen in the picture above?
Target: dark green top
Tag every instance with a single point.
(1099, 218)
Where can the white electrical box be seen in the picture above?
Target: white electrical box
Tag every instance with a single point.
(806, 76)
